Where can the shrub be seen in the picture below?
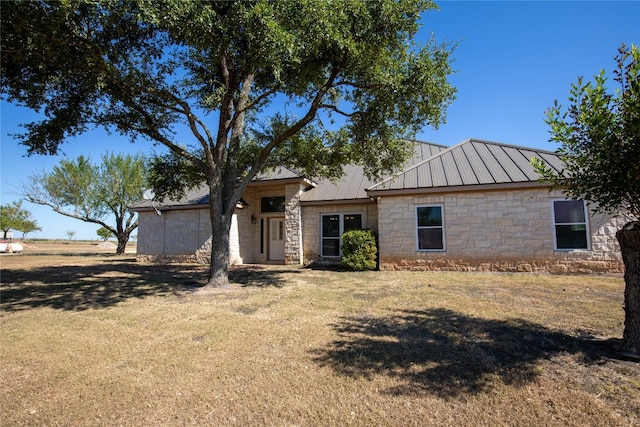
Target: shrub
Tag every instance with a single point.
(359, 250)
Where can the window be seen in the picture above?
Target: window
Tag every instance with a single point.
(272, 204)
(333, 226)
(430, 228)
(570, 225)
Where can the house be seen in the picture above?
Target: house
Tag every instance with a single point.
(476, 206)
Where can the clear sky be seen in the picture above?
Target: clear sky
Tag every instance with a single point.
(512, 61)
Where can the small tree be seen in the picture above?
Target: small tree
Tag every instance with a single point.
(104, 233)
(599, 135)
(14, 217)
(359, 250)
(70, 234)
(94, 192)
(28, 226)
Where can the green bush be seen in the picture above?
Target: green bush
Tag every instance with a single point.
(359, 250)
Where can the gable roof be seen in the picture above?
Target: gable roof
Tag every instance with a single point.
(194, 197)
(471, 163)
(199, 196)
(353, 185)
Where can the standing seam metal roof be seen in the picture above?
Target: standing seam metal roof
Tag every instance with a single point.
(472, 162)
(354, 183)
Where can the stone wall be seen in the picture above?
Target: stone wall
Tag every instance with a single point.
(185, 235)
(175, 233)
(293, 225)
(492, 231)
(311, 215)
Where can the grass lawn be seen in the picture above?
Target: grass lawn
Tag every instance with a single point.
(93, 339)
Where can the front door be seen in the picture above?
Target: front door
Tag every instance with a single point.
(276, 239)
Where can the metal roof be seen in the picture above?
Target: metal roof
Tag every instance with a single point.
(432, 168)
(354, 183)
(200, 195)
(472, 162)
(194, 197)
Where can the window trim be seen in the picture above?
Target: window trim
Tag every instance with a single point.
(554, 224)
(340, 231)
(442, 227)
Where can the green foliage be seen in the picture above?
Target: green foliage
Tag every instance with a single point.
(104, 233)
(230, 88)
(359, 250)
(599, 135)
(94, 193)
(14, 217)
(171, 176)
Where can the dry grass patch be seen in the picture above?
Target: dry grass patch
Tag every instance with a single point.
(103, 340)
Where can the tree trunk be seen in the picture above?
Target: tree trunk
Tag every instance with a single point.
(629, 239)
(219, 266)
(122, 244)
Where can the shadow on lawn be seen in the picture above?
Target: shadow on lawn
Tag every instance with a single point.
(446, 353)
(258, 276)
(92, 286)
(105, 285)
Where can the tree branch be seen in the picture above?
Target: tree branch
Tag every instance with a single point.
(290, 131)
(339, 111)
(59, 210)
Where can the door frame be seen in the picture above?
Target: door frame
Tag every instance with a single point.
(270, 221)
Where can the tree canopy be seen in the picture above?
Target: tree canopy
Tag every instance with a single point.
(230, 88)
(104, 233)
(599, 135)
(14, 217)
(95, 193)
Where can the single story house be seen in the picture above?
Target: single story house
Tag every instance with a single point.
(476, 206)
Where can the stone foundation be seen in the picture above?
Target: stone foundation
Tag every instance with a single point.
(168, 259)
(549, 265)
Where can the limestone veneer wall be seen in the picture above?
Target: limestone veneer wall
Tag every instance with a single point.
(293, 225)
(185, 235)
(181, 236)
(510, 230)
(311, 220)
(174, 235)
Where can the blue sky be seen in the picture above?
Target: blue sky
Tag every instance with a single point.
(512, 61)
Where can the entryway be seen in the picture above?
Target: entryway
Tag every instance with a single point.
(276, 239)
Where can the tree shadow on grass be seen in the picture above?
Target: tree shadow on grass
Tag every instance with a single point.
(446, 353)
(92, 286)
(259, 276)
(106, 284)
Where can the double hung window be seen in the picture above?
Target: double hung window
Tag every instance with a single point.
(430, 228)
(333, 226)
(570, 230)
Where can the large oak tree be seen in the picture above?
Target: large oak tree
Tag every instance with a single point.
(599, 133)
(319, 83)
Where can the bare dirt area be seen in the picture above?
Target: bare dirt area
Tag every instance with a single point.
(90, 338)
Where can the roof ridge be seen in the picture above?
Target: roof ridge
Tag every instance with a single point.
(502, 144)
(428, 143)
(391, 178)
(451, 148)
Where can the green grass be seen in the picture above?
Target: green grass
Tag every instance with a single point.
(103, 340)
